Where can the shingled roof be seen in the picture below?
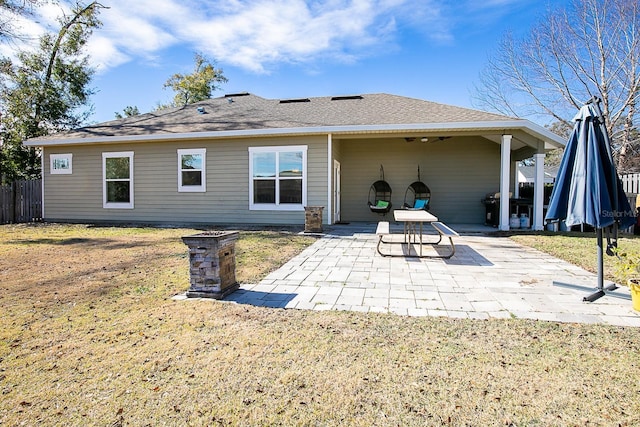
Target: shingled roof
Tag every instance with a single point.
(254, 115)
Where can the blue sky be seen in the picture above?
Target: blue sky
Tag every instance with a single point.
(428, 49)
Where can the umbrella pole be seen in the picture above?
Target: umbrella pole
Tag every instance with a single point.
(600, 292)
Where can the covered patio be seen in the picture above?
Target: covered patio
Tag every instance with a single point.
(460, 163)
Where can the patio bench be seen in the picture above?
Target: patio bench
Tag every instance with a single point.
(444, 230)
(383, 228)
(381, 231)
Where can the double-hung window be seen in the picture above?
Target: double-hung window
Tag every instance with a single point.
(191, 170)
(117, 173)
(278, 178)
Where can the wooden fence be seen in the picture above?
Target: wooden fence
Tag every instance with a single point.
(21, 201)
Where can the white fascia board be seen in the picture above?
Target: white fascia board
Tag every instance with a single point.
(551, 139)
(500, 126)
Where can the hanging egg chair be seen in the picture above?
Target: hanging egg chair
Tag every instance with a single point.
(417, 195)
(380, 195)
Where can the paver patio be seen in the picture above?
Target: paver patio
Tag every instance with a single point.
(489, 277)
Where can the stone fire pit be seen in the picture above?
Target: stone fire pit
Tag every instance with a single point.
(212, 258)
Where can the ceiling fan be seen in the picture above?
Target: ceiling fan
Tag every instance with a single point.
(427, 139)
(438, 139)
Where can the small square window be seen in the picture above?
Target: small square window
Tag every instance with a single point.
(61, 164)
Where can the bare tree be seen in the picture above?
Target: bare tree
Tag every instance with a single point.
(9, 10)
(590, 48)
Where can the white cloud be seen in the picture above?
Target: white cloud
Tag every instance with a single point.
(267, 32)
(133, 33)
(257, 34)
(105, 54)
(302, 31)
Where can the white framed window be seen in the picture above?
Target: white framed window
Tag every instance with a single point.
(278, 178)
(61, 164)
(191, 170)
(117, 177)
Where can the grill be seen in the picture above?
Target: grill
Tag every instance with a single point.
(492, 207)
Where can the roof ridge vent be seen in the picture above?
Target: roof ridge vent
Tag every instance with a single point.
(295, 100)
(345, 97)
(235, 95)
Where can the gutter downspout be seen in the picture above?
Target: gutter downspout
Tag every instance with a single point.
(329, 216)
(42, 174)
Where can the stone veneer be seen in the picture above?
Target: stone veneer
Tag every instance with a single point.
(313, 219)
(212, 261)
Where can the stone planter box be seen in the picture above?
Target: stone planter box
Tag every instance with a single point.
(212, 260)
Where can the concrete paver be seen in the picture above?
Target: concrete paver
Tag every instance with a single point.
(489, 277)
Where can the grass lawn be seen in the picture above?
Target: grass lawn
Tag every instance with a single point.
(580, 249)
(89, 335)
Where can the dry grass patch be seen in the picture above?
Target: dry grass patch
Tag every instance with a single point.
(89, 336)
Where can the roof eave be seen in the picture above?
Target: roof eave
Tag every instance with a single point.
(497, 126)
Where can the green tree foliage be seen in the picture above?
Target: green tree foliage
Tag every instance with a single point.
(197, 86)
(44, 91)
(128, 111)
(563, 129)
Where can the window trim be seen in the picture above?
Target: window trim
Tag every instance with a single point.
(277, 206)
(114, 205)
(202, 188)
(55, 171)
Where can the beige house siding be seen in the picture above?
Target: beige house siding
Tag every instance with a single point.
(78, 197)
(459, 172)
(71, 196)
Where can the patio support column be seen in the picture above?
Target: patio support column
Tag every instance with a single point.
(516, 181)
(505, 168)
(538, 192)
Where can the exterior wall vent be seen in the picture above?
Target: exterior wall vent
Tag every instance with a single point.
(293, 101)
(344, 98)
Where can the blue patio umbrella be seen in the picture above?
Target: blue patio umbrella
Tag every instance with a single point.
(588, 189)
